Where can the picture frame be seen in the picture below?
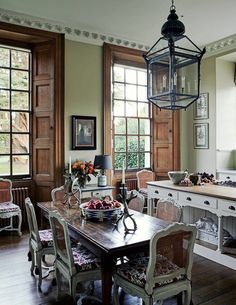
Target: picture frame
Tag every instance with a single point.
(201, 135)
(83, 132)
(201, 107)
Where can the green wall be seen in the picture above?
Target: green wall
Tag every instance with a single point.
(83, 92)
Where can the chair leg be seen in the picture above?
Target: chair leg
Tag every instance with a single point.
(31, 251)
(19, 223)
(116, 294)
(58, 280)
(39, 266)
(187, 296)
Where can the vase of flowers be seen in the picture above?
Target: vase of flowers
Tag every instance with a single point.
(82, 171)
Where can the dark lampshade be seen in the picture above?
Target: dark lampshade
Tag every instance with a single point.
(103, 162)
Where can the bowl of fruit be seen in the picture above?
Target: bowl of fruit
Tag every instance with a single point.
(101, 209)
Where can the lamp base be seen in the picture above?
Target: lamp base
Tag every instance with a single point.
(102, 180)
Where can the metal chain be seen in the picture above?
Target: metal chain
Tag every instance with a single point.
(172, 5)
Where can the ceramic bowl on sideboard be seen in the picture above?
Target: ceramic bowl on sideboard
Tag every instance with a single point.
(177, 176)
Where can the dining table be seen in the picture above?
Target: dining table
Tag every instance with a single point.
(105, 239)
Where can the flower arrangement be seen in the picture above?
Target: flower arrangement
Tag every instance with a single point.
(82, 170)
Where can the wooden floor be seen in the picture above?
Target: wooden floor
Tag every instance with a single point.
(213, 284)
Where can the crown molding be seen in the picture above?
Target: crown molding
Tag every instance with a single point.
(86, 36)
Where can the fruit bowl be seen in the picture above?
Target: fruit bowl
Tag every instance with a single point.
(177, 176)
(101, 210)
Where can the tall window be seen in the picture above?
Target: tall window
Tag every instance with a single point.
(131, 118)
(15, 112)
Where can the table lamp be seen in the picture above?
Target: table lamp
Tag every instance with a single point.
(102, 162)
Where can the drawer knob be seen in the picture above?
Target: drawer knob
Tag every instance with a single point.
(170, 195)
(188, 198)
(157, 192)
(206, 202)
(232, 208)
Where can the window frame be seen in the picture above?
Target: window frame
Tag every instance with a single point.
(28, 49)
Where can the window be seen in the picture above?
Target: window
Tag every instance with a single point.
(15, 112)
(131, 118)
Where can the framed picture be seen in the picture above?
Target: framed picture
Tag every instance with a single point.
(201, 107)
(83, 132)
(201, 135)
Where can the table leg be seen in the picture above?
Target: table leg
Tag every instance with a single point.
(107, 265)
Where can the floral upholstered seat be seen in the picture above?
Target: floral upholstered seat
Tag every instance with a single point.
(84, 259)
(8, 207)
(135, 270)
(46, 238)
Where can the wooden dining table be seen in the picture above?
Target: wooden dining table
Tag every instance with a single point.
(106, 240)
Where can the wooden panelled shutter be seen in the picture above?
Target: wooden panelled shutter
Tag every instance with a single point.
(43, 120)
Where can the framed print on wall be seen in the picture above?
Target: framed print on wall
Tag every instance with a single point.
(83, 132)
(201, 107)
(201, 135)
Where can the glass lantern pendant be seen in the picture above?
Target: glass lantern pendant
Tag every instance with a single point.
(173, 67)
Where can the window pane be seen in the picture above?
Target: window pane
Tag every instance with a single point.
(131, 109)
(20, 80)
(130, 75)
(20, 100)
(5, 121)
(144, 126)
(132, 143)
(4, 57)
(119, 74)
(4, 143)
(120, 143)
(132, 126)
(142, 93)
(119, 91)
(4, 165)
(142, 78)
(20, 59)
(143, 109)
(144, 144)
(20, 165)
(131, 92)
(145, 160)
(119, 158)
(119, 125)
(4, 78)
(20, 122)
(4, 99)
(119, 108)
(132, 160)
(20, 143)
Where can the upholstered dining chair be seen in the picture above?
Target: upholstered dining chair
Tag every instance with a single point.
(169, 210)
(166, 272)
(40, 243)
(76, 264)
(136, 203)
(143, 177)
(7, 208)
(59, 194)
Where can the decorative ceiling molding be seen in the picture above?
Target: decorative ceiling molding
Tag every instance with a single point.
(83, 35)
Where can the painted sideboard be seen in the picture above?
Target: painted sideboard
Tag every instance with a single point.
(218, 200)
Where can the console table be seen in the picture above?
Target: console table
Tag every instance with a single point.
(218, 200)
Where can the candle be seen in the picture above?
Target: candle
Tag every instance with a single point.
(183, 82)
(175, 79)
(123, 173)
(70, 165)
(164, 82)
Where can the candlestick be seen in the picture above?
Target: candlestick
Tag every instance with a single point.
(123, 173)
(70, 165)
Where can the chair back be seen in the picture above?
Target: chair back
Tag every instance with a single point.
(171, 255)
(143, 177)
(5, 190)
(169, 210)
(32, 222)
(59, 194)
(136, 203)
(62, 244)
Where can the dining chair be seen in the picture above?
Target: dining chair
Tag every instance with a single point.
(59, 194)
(135, 201)
(76, 264)
(40, 243)
(7, 208)
(165, 272)
(143, 177)
(169, 210)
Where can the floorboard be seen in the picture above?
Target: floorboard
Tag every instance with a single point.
(213, 284)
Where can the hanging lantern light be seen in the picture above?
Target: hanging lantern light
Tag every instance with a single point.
(173, 67)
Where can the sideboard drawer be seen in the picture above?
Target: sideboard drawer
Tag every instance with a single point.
(227, 206)
(197, 200)
(159, 192)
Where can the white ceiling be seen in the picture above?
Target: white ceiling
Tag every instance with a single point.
(206, 21)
